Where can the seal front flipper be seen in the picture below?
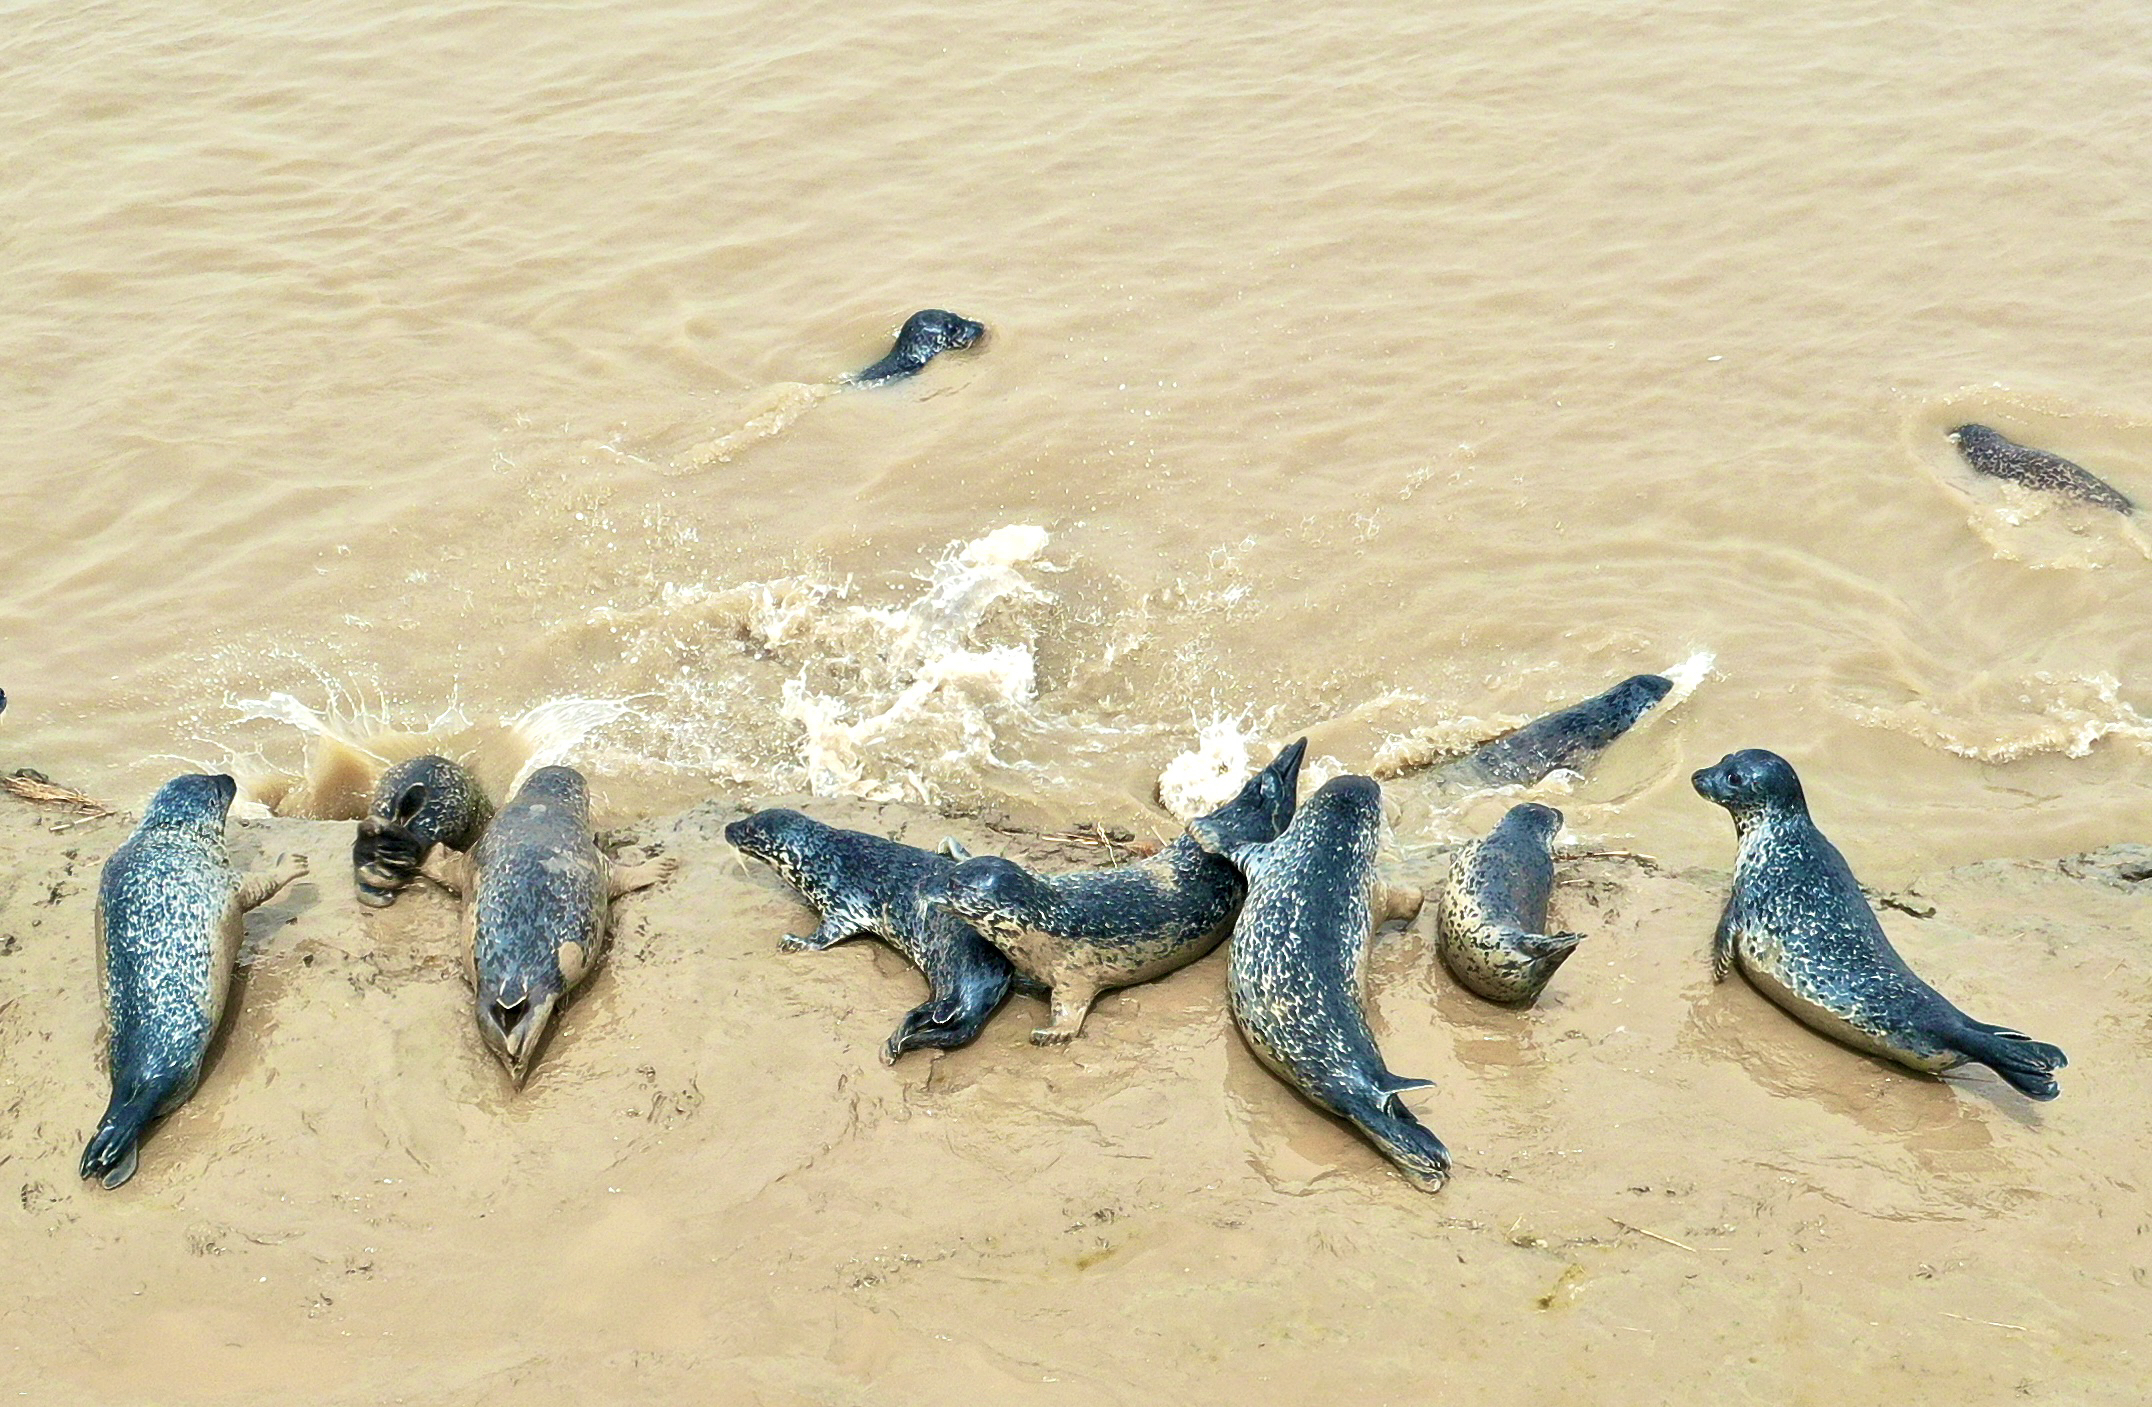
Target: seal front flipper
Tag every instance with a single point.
(2027, 1064)
(450, 870)
(953, 849)
(1071, 1003)
(626, 879)
(835, 928)
(260, 887)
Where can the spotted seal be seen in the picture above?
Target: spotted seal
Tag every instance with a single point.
(1800, 929)
(1988, 452)
(170, 915)
(1089, 932)
(537, 897)
(925, 335)
(864, 884)
(418, 804)
(1492, 918)
(1567, 738)
(1297, 974)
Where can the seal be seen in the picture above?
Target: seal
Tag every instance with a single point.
(1988, 452)
(1567, 738)
(1492, 918)
(1298, 967)
(1089, 932)
(170, 915)
(864, 884)
(925, 335)
(1801, 931)
(537, 896)
(418, 804)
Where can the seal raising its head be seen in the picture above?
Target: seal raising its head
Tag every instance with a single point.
(924, 336)
(1801, 930)
(1298, 967)
(421, 803)
(1991, 454)
(537, 894)
(865, 884)
(1084, 933)
(170, 914)
(1493, 920)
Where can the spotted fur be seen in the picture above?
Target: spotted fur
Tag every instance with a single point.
(865, 885)
(418, 804)
(1990, 453)
(1799, 928)
(1297, 977)
(170, 915)
(1568, 738)
(1492, 921)
(925, 335)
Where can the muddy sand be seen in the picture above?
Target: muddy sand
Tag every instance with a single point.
(712, 1192)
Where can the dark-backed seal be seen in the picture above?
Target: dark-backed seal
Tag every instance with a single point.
(1085, 933)
(863, 884)
(418, 804)
(537, 896)
(1298, 967)
(1567, 738)
(170, 915)
(1800, 929)
(924, 336)
(1492, 920)
(1991, 454)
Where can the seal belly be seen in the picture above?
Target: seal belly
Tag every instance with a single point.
(1807, 991)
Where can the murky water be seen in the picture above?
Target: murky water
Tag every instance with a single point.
(1353, 371)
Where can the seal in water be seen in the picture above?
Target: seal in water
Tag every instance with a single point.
(924, 336)
(537, 895)
(864, 884)
(421, 803)
(1298, 966)
(1084, 933)
(170, 915)
(1568, 738)
(1491, 928)
(1991, 454)
(1802, 932)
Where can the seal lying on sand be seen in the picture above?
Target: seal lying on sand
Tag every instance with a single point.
(1491, 928)
(537, 895)
(864, 884)
(924, 336)
(1299, 966)
(1991, 454)
(170, 915)
(1084, 933)
(1568, 738)
(421, 803)
(1802, 932)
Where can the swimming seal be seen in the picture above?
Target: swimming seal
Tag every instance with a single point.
(420, 803)
(1567, 738)
(925, 335)
(537, 896)
(1298, 967)
(170, 916)
(1492, 921)
(1801, 931)
(863, 884)
(1085, 933)
(1991, 454)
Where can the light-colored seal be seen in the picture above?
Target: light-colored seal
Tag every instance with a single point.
(170, 915)
(1491, 923)
(1298, 967)
(1568, 738)
(1089, 932)
(864, 884)
(537, 897)
(925, 335)
(418, 804)
(1988, 452)
(1800, 929)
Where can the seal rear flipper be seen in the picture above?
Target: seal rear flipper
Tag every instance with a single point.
(113, 1151)
(1409, 1144)
(945, 1022)
(2028, 1065)
(1555, 946)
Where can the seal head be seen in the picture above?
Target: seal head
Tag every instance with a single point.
(1802, 932)
(1991, 453)
(925, 335)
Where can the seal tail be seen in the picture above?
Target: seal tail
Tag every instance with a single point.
(2027, 1064)
(1399, 1134)
(113, 1151)
(945, 1022)
(1544, 946)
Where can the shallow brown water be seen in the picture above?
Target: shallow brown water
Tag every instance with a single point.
(1368, 369)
